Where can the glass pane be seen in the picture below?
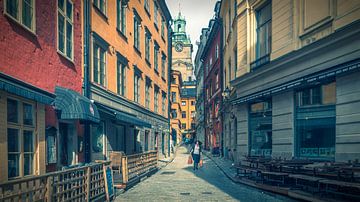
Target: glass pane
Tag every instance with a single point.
(96, 64)
(305, 97)
(12, 111)
(316, 95)
(69, 9)
(13, 140)
(123, 19)
(28, 141)
(68, 40)
(61, 5)
(13, 165)
(27, 13)
(28, 164)
(102, 67)
(61, 35)
(12, 8)
(28, 114)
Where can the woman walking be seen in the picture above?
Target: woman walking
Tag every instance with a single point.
(195, 153)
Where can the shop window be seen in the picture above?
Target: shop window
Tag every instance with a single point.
(20, 138)
(261, 128)
(315, 121)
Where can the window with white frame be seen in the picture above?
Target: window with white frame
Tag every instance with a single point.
(147, 45)
(156, 56)
(136, 87)
(263, 30)
(65, 30)
(22, 11)
(101, 5)
(156, 100)
(163, 27)
(121, 79)
(163, 107)
(217, 51)
(121, 16)
(99, 65)
(147, 6)
(147, 95)
(20, 138)
(156, 10)
(163, 65)
(137, 24)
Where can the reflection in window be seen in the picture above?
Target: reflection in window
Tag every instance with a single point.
(261, 129)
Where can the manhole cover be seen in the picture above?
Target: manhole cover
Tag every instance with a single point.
(206, 192)
(168, 173)
(185, 193)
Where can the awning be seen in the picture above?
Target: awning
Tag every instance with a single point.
(72, 105)
(25, 90)
(124, 117)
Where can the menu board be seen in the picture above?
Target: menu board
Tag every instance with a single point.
(109, 183)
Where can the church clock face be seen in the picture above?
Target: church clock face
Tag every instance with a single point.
(178, 47)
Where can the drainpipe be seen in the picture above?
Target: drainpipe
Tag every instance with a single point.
(169, 78)
(222, 84)
(86, 84)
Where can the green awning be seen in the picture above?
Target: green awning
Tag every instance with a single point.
(25, 90)
(72, 105)
(124, 117)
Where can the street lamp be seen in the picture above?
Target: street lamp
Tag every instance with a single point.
(226, 93)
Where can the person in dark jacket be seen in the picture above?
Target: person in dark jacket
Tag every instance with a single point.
(195, 153)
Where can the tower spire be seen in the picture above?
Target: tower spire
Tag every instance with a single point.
(179, 9)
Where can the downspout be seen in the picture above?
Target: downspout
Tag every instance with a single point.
(169, 79)
(86, 84)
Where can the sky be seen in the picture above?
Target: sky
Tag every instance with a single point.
(197, 14)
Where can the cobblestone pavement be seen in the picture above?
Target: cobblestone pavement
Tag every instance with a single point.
(178, 182)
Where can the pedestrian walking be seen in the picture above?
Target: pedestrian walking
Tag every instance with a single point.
(195, 153)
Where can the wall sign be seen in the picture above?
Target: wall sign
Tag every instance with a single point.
(109, 183)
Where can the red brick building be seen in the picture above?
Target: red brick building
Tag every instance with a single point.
(42, 110)
(212, 58)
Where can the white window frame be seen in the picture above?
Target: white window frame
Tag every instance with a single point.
(105, 64)
(20, 19)
(71, 21)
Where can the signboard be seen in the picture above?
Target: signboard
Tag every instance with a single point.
(109, 183)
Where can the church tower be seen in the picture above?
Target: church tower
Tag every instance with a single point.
(182, 50)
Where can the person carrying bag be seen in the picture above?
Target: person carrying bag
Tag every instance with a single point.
(195, 153)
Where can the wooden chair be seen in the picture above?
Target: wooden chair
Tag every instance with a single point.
(115, 157)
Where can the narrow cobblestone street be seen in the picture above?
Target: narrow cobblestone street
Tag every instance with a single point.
(178, 182)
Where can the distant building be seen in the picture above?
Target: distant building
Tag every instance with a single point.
(212, 59)
(182, 68)
(175, 99)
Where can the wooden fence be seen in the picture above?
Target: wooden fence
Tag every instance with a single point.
(85, 183)
(137, 166)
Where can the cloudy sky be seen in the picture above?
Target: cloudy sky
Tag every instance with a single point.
(197, 14)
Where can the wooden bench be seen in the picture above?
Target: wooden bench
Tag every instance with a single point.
(348, 189)
(308, 183)
(274, 177)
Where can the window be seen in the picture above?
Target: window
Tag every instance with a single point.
(147, 95)
(192, 103)
(183, 103)
(183, 126)
(156, 13)
(235, 61)
(156, 101)
(65, 28)
(173, 113)
(193, 126)
(22, 11)
(163, 65)
(101, 5)
(120, 77)
(192, 114)
(263, 31)
(156, 56)
(147, 45)
(217, 51)
(315, 121)
(163, 107)
(217, 80)
(147, 6)
(136, 88)
(121, 16)
(183, 114)
(137, 25)
(210, 61)
(99, 64)
(173, 97)
(21, 138)
(163, 28)
(235, 8)
(261, 128)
